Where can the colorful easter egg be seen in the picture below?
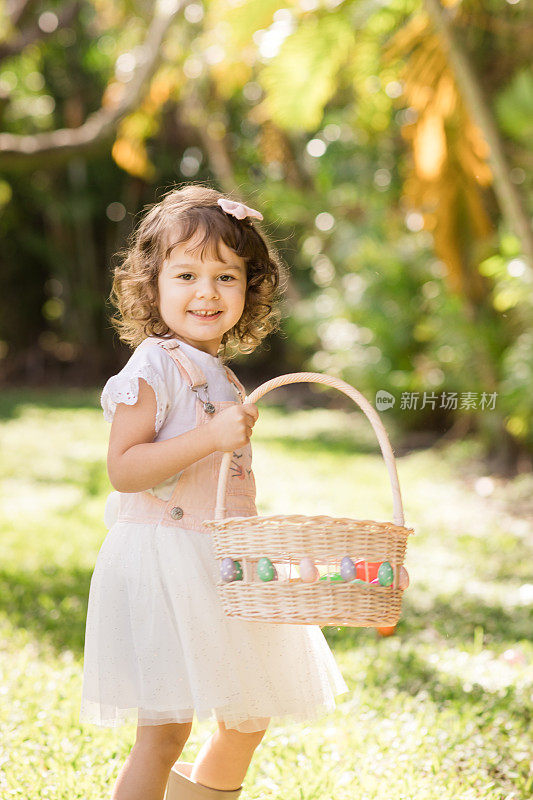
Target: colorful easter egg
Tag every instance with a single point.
(386, 630)
(361, 570)
(238, 571)
(228, 570)
(385, 574)
(347, 569)
(403, 578)
(265, 569)
(308, 570)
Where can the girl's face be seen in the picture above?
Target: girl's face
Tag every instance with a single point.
(187, 285)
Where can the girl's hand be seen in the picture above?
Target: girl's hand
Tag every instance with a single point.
(232, 427)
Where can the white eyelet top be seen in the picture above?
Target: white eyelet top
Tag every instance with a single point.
(176, 402)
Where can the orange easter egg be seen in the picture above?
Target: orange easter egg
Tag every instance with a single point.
(386, 630)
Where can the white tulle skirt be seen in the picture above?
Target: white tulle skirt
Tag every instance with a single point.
(159, 649)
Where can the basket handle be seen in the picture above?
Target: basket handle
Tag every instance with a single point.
(358, 398)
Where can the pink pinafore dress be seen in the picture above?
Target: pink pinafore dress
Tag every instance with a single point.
(158, 647)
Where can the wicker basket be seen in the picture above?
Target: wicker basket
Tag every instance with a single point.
(285, 539)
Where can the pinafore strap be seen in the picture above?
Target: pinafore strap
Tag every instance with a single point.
(193, 374)
(236, 382)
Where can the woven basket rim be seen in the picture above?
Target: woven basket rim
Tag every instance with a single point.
(299, 520)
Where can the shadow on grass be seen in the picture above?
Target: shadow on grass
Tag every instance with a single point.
(453, 618)
(406, 671)
(13, 399)
(345, 444)
(317, 434)
(410, 673)
(49, 603)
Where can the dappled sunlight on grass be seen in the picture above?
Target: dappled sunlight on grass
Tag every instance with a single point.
(442, 709)
(36, 499)
(489, 671)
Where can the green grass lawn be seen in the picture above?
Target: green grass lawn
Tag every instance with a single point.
(443, 709)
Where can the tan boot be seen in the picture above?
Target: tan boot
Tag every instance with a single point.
(181, 787)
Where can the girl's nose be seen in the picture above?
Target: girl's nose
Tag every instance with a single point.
(207, 288)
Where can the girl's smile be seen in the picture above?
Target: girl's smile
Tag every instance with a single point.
(201, 300)
(206, 315)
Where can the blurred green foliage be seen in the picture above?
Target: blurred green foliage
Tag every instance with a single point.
(310, 116)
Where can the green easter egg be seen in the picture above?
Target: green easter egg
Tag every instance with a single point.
(357, 580)
(238, 571)
(385, 574)
(265, 569)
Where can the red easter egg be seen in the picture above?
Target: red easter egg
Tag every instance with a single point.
(373, 567)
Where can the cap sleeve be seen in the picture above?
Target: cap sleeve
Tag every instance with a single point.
(148, 361)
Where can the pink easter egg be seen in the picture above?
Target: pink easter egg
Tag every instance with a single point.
(403, 578)
(308, 570)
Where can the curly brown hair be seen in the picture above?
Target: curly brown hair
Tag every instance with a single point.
(186, 212)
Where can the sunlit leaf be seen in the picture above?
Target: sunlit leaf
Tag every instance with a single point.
(302, 77)
(514, 107)
(131, 156)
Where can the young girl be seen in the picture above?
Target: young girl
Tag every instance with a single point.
(198, 278)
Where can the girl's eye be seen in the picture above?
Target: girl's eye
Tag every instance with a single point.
(189, 274)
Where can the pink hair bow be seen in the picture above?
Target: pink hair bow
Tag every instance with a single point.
(238, 210)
